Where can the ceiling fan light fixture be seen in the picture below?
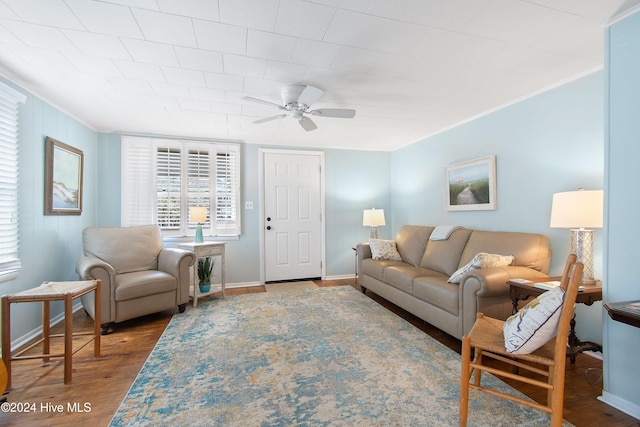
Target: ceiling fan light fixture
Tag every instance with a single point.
(297, 101)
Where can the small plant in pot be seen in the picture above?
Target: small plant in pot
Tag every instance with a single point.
(205, 273)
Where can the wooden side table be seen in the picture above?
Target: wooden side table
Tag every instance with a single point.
(203, 250)
(521, 291)
(45, 293)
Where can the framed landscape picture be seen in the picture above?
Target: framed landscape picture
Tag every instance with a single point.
(471, 185)
(63, 178)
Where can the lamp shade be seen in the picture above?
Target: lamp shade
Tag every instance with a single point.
(373, 217)
(197, 214)
(577, 209)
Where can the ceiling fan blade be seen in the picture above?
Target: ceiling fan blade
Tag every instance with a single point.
(261, 101)
(268, 119)
(307, 124)
(309, 95)
(342, 113)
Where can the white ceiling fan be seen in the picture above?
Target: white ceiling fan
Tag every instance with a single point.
(297, 101)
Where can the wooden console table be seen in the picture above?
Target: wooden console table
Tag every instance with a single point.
(203, 250)
(591, 293)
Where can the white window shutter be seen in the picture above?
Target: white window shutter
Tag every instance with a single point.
(9, 239)
(138, 181)
(199, 180)
(168, 187)
(227, 193)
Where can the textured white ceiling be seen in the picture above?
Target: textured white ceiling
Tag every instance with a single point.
(410, 68)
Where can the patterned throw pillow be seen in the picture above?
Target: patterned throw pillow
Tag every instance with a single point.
(481, 260)
(384, 249)
(535, 324)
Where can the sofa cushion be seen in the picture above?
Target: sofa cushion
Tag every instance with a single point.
(411, 242)
(436, 291)
(401, 276)
(140, 284)
(535, 324)
(528, 249)
(481, 260)
(444, 255)
(375, 269)
(384, 249)
(126, 249)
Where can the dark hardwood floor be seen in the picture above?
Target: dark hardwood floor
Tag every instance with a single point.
(98, 387)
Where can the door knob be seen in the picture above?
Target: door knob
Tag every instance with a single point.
(268, 218)
(268, 227)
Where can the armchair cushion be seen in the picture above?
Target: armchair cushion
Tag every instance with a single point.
(140, 284)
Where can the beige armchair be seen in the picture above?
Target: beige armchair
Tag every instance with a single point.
(139, 276)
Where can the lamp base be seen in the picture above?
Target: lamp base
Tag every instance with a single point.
(373, 233)
(199, 238)
(582, 246)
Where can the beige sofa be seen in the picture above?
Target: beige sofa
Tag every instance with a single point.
(419, 284)
(138, 275)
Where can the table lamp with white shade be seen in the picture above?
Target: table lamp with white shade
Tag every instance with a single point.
(198, 214)
(579, 210)
(373, 218)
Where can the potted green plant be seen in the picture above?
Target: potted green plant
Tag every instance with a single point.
(205, 273)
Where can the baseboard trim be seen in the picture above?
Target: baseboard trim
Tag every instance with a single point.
(241, 285)
(620, 403)
(342, 277)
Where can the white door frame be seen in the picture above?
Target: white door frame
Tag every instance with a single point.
(323, 257)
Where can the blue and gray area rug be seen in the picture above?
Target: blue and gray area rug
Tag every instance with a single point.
(309, 357)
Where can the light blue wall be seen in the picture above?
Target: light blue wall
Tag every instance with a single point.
(49, 245)
(545, 144)
(354, 180)
(621, 341)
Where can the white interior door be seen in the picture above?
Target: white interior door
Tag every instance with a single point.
(292, 215)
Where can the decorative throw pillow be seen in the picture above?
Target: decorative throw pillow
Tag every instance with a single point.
(384, 249)
(535, 324)
(481, 260)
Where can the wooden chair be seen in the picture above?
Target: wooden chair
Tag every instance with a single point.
(487, 338)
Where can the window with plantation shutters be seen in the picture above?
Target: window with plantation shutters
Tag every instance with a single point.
(227, 200)
(181, 174)
(168, 188)
(199, 180)
(9, 260)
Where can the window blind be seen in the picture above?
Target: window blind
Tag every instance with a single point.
(9, 238)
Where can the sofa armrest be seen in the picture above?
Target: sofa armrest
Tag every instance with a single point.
(178, 262)
(486, 290)
(491, 282)
(363, 251)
